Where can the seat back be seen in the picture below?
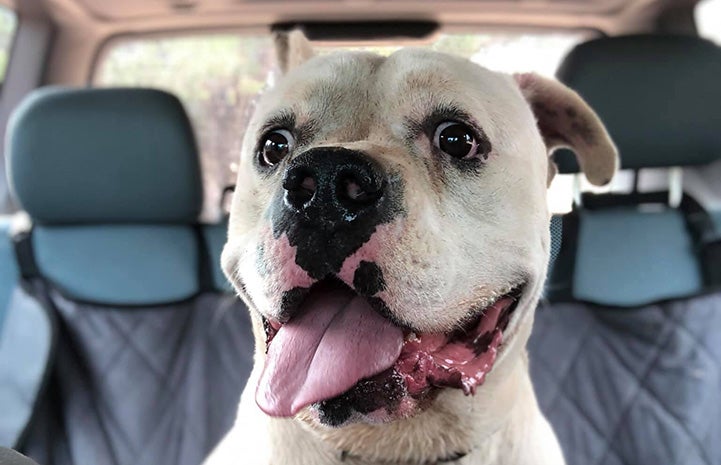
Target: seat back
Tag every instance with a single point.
(150, 358)
(625, 359)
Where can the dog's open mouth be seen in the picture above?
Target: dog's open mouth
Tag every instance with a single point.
(340, 353)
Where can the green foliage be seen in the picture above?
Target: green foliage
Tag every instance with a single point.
(464, 45)
(8, 24)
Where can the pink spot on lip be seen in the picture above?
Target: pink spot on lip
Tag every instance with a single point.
(280, 255)
(368, 252)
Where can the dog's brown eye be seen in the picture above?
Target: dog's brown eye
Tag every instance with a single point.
(276, 146)
(456, 140)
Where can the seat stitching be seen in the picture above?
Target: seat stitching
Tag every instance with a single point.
(138, 351)
(106, 405)
(556, 381)
(698, 342)
(640, 383)
(679, 423)
(654, 396)
(172, 392)
(583, 340)
(584, 415)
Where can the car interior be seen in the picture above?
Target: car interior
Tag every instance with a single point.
(122, 342)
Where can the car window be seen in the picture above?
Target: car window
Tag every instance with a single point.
(708, 19)
(8, 24)
(218, 77)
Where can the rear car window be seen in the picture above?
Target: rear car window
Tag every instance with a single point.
(219, 76)
(8, 24)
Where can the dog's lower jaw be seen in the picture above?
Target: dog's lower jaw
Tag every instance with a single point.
(479, 429)
(505, 428)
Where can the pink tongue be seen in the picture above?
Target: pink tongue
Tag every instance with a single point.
(335, 341)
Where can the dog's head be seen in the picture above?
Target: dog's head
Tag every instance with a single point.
(389, 229)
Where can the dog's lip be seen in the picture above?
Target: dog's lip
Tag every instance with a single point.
(467, 325)
(406, 389)
(427, 362)
(476, 315)
(462, 358)
(466, 333)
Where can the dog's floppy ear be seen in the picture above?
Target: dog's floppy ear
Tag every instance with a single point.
(292, 48)
(565, 120)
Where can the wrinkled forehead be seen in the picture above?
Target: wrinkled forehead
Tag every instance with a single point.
(328, 92)
(417, 79)
(352, 92)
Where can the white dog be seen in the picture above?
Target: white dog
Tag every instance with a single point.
(390, 236)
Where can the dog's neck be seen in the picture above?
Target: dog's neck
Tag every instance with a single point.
(502, 426)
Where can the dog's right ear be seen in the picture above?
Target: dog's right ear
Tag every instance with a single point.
(292, 49)
(565, 120)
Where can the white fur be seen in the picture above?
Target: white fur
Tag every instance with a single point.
(463, 240)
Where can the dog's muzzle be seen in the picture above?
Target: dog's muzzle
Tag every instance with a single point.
(332, 201)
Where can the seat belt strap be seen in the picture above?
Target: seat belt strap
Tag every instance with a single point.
(24, 255)
(205, 263)
(706, 238)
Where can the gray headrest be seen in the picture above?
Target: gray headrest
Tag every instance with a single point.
(659, 97)
(104, 156)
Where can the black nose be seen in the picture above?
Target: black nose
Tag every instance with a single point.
(332, 186)
(332, 201)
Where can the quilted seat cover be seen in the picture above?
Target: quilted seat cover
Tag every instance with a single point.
(637, 386)
(143, 386)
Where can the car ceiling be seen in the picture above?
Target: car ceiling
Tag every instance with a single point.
(82, 27)
(112, 16)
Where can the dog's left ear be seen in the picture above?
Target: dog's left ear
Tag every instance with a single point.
(565, 120)
(292, 48)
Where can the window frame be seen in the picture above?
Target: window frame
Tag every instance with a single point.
(105, 45)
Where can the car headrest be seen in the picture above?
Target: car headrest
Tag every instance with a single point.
(659, 97)
(78, 156)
